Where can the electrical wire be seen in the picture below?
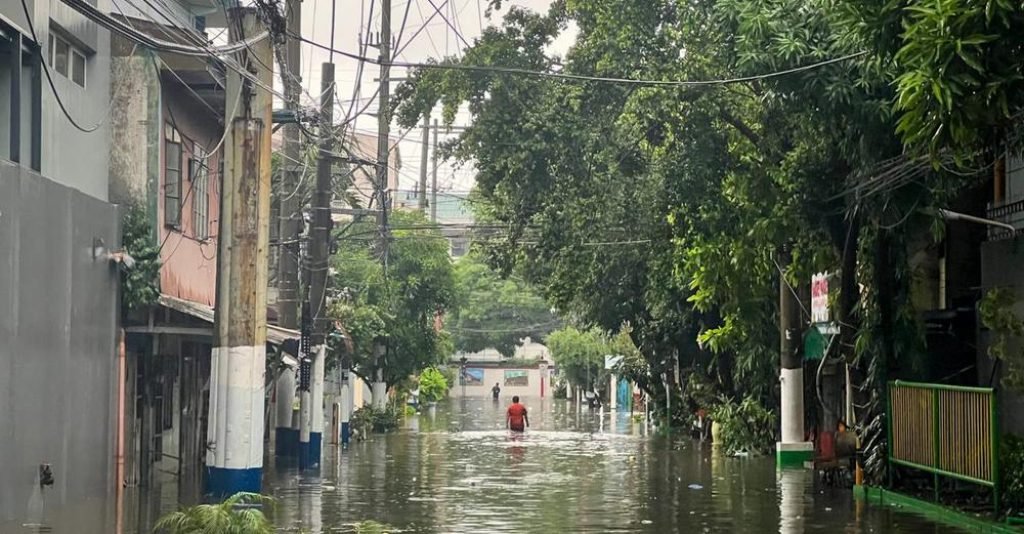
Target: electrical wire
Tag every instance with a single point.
(53, 87)
(581, 77)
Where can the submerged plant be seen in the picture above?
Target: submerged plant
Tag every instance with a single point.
(239, 514)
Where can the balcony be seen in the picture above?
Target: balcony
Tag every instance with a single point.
(1012, 213)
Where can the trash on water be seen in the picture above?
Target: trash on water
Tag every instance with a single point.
(646, 522)
(695, 486)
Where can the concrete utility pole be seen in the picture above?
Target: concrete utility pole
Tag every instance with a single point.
(286, 435)
(792, 450)
(379, 388)
(235, 458)
(433, 180)
(319, 249)
(422, 193)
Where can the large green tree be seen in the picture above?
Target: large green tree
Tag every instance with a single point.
(664, 204)
(495, 312)
(397, 291)
(579, 355)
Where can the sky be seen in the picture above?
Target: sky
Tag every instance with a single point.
(437, 40)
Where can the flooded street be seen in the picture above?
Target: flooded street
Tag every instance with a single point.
(458, 470)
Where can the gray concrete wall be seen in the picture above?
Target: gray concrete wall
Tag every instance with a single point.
(1001, 264)
(58, 375)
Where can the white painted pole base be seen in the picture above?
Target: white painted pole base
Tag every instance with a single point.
(235, 426)
(613, 392)
(792, 405)
(379, 392)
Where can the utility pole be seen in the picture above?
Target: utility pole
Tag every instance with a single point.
(379, 388)
(319, 238)
(422, 193)
(286, 434)
(235, 458)
(433, 180)
(792, 451)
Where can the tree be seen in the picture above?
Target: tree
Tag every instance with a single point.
(579, 355)
(401, 301)
(493, 312)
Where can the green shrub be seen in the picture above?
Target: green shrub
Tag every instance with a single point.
(1011, 453)
(239, 514)
(369, 419)
(433, 385)
(746, 427)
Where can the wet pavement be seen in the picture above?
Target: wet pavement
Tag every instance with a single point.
(455, 469)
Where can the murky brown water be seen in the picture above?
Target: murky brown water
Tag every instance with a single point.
(457, 470)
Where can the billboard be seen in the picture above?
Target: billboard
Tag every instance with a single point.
(472, 376)
(517, 378)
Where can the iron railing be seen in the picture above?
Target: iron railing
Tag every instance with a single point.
(1011, 213)
(948, 431)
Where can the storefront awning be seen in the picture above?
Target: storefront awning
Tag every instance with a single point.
(276, 335)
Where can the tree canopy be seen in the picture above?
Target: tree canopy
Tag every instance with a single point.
(401, 297)
(495, 312)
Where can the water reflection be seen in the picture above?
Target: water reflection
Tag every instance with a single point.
(575, 470)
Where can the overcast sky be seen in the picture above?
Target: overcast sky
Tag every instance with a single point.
(437, 40)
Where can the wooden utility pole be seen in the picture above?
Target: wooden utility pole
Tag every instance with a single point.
(379, 388)
(792, 450)
(433, 180)
(422, 193)
(310, 443)
(286, 435)
(235, 459)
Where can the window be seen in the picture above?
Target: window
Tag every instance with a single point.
(172, 176)
(66, 59)
(78, 68)
(200, 175)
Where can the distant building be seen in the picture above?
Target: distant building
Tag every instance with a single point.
(528, 373)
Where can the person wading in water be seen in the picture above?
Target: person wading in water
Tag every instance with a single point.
(495, 391)
(516, 416)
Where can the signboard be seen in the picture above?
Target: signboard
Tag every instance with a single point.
(819, 298)
(611, 361)
(472, 376)
(517, 378)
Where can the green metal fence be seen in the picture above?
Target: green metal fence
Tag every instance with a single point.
(949, 431)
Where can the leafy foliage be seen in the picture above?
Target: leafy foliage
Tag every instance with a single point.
(579, 355)
(238, 514)
(746, 426)
(433, 385)
(492, 312)
(960, 78)
(368, 419)
(140, 285)
(997, 315)
(1011, 452)
(403, 301)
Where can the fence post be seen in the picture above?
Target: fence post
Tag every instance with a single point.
(936, 438)
(888, 429)
(994, 429)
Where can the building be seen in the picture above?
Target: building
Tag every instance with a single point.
(168, 139)
(528, 374)
(1002, 255)
(58, 278)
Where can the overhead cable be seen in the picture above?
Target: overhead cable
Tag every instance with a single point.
(582, 77)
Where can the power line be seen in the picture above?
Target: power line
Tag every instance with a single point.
(581, 77)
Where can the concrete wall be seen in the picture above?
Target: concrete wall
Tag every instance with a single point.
(494, 375)
(1001, 267)
(58, 320)
(70, 157)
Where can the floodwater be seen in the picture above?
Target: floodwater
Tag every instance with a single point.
(455, 469)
